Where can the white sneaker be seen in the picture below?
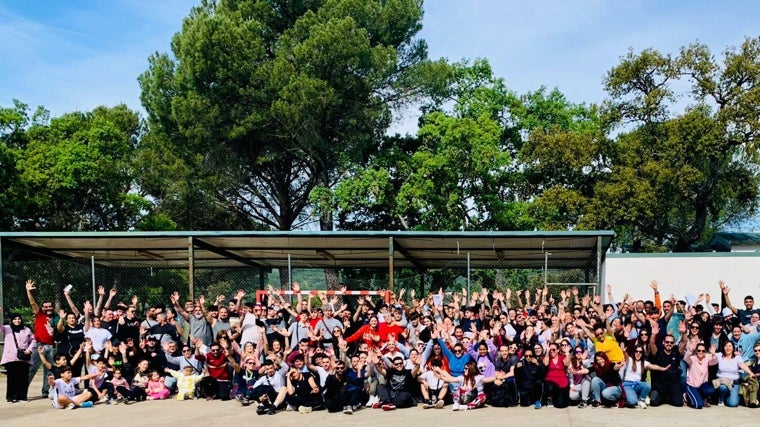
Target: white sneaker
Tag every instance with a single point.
(347, 410)
(290, 408)
(455, 406)
(646, 400)
(304, 409)
(642, 404)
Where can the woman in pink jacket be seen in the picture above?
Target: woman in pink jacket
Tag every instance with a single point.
(17, 337)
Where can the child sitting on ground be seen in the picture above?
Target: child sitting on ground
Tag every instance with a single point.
(186, 380)
(156, 389)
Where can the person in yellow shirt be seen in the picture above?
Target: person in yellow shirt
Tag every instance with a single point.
(604, 342)
(186, 381)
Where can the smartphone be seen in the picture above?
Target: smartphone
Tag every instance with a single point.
(68, 288)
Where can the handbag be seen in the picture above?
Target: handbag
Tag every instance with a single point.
(21, 354)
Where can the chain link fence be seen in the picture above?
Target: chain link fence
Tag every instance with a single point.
(151, 285)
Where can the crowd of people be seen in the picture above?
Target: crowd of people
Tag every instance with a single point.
(439, 350)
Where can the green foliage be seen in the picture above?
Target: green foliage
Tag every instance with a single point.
(262, 103)
(72, 172)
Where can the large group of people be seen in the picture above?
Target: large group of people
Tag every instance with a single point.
(511, 348)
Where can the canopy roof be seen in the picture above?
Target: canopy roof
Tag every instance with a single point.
(332, 249)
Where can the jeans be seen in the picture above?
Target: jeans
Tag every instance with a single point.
(636, 390)
(730, 396)
(600, 390)
(49, 353)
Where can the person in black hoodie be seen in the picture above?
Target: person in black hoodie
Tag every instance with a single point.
(530, 374)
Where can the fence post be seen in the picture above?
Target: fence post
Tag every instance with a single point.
(190, 267)
(390, 263)
(92, 273)
(2, 285)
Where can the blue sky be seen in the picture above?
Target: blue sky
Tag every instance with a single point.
(76, 55)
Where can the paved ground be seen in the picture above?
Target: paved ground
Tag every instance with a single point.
(202, 413)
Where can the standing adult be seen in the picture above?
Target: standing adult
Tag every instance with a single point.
(19, 341)
(45, 320)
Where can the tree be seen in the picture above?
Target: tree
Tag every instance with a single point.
(75, 171)
(456, 174)
(262, 101)
(690, 173)
(664, 180)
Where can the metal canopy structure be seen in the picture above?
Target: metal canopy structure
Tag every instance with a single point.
(341, 249)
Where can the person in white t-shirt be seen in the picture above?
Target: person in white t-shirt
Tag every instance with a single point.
(66, 392)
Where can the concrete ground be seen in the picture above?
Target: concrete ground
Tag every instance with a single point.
(201, 413)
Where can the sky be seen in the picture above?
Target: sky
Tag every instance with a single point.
(76, 55)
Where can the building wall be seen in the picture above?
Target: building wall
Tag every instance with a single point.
(683, 274)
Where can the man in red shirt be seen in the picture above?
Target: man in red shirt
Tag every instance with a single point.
(217, 361)
(45, 320)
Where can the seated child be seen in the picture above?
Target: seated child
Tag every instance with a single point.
(156, 389)
(186, 380)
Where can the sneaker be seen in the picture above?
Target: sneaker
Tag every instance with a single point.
(439, 404)
(272, 410)
(427, 404)
(347, 410)
(261, 410)
(642, 404)
(646, 400)
(103, 400)
(304, 409)
(371, 401)
(377, 405)
(127, 401)
(72, 406)
(596, 404)
(87, 404)
(455, 406)
(290, 408)
(537, 405)
(389, 407)
(582, 405)
(245, 402)
(720, 404)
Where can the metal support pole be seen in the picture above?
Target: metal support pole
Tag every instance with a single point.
(390, 263)
(599, 265)
(92, 273)
(469, 294)
(191, 267)
(2, 302)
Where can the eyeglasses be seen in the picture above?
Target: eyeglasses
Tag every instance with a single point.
(694, 327)
(579, 352)
(186, 350)
(701, 351)
(668, 342)
(639, 351)
(757, 350)
(565, 345)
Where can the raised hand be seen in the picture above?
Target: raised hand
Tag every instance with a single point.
(112, 292)
(101, 290)
(30, 285)
(653, 284)
(296, 287)
(87, 307)
(135, 300)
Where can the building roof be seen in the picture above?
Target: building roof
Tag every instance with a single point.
(726, 240)
(337, 249)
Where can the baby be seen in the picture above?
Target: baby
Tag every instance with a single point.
(185, 382)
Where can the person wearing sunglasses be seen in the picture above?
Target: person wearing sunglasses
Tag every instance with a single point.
(634, 376)
(698, 388)
(666, 383)
(530, 373)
